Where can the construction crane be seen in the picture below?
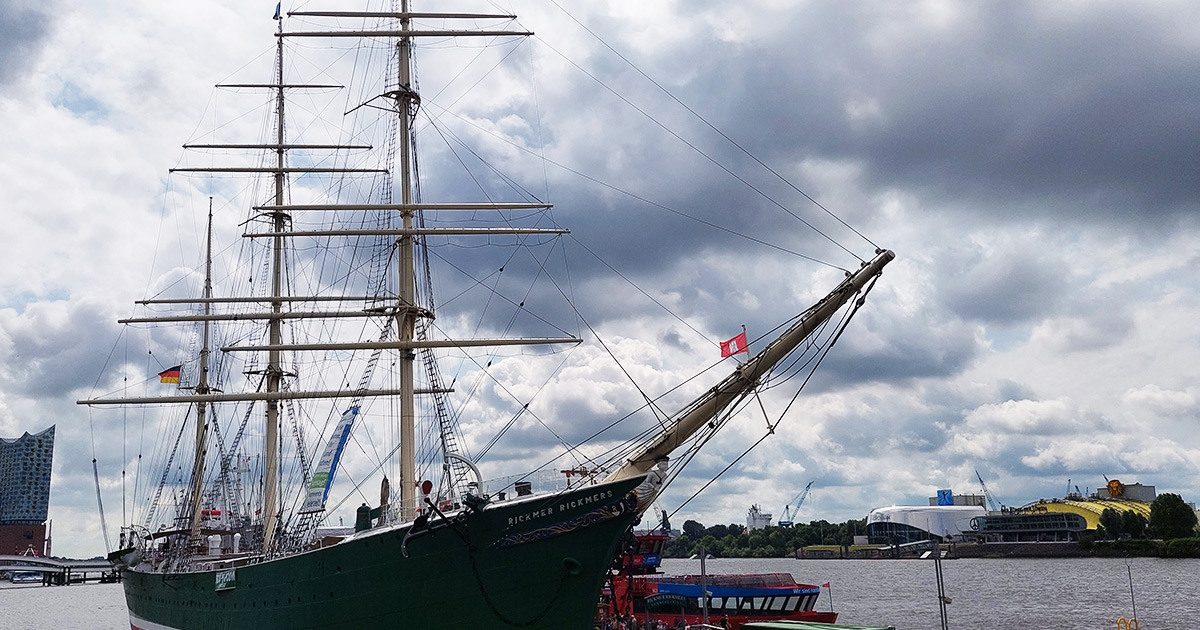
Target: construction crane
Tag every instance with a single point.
(789, 513)
(992, 504)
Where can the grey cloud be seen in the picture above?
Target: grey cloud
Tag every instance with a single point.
(1094, 110)
(52, 354)
(1011, 390)
(23, 30)
(1004, 287)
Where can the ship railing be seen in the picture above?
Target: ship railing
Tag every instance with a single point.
(539, 482)
(500, 488)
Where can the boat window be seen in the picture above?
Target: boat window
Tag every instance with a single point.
(760, 603)
(778, 604)
(650, 546)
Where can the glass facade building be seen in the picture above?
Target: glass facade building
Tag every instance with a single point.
(1029, 527)
(25, 478)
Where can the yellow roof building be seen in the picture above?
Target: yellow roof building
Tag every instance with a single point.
(1090, 509)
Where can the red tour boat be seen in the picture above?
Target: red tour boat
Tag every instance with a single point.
(636, 589)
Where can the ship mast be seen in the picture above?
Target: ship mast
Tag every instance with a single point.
(406, 315)
(275, 333)
(712, 403)
(197, 489)
(407, 310)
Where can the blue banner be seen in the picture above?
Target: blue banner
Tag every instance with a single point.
(322, 479)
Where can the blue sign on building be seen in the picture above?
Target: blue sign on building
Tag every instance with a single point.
(945, 497)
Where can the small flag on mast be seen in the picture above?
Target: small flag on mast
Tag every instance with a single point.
(734, 346)
(170, 375)
(277, 7)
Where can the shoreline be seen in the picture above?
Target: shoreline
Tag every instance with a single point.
(1135, 548)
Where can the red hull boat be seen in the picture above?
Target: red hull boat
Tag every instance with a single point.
(638, 591)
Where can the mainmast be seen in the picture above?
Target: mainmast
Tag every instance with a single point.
(406, 315)
(408, 310)
(275, 329)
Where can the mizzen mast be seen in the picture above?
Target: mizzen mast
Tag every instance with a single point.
(202, 389)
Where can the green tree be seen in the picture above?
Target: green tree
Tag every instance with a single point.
(717, 531)
(1111, 523)
(807, 535)
(679, 548)
(693, 529)
(734, 547)
(1133, 524)
(1171, 518)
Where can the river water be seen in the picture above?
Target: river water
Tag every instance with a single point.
(987, 594)
(992, 594)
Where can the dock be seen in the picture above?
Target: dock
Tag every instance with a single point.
(62, 572)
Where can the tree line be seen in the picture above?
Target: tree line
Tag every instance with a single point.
(734, 541)
(1170, 518)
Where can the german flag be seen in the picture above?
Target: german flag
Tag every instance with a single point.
(170, 375)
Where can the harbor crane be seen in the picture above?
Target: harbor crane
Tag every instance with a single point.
(992, 504)
(789, 513)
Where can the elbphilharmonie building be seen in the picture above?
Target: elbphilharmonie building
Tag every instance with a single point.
(25, 464)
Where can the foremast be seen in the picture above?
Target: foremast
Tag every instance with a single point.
(712, 403)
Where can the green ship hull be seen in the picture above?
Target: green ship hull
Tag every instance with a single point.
(537, 562)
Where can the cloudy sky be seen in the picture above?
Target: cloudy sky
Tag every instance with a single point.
(1032, 164)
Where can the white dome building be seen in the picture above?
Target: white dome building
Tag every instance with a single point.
(900, 524)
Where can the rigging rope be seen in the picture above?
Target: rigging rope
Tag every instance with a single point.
(771, 428)
(714, 128)
(646, 201)
(706, 156)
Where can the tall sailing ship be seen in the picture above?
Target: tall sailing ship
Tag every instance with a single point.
(236, 532)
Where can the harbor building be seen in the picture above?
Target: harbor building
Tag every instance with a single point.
(1063, 520)
(977, 500)
(903, 524)
(1028, 526)
(25, 464)
(1133, 497)
(964, 517)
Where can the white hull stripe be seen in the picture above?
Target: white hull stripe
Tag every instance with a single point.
(137, 623)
